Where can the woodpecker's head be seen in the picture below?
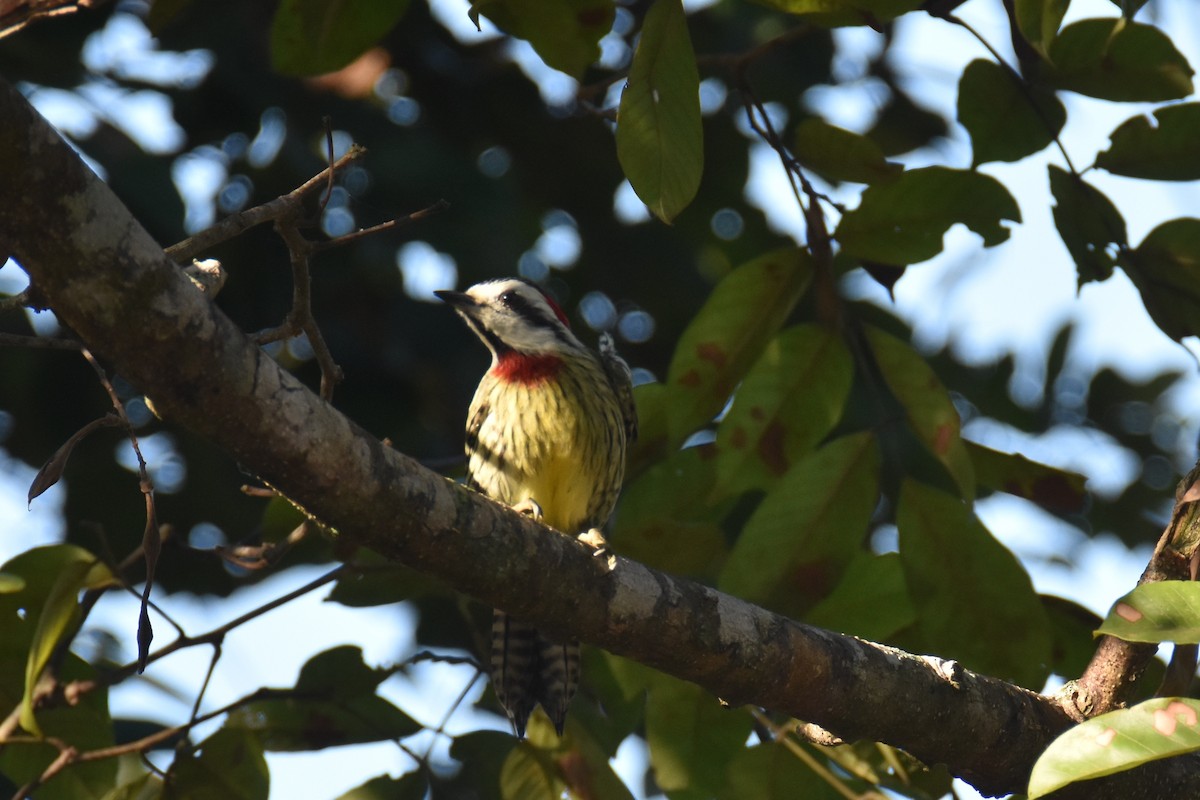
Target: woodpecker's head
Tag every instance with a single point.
(513, 316)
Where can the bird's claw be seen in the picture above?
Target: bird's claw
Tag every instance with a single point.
(530, 508)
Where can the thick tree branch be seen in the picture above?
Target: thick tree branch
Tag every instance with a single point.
(110, 282)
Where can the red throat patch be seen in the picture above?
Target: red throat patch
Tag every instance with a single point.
(524, 368)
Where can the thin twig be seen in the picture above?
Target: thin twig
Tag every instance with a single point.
(398, 222)
(237, 224)
(39, 342)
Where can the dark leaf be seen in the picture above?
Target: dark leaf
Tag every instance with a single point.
(52, 470)
(1088, 223)
(1115, 59)
(1165, 150)
(903, 221)
(1007, 119)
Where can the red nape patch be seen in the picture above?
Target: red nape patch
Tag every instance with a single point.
(557, 309)
(517, 367)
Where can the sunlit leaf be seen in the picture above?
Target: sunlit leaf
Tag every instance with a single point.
(791, 398)
(691, 737)
(1056, 490)
(903, 221)
(85, 726)
(10, 583)
(1116, 59)
(311, 37)
(660, 142)
(229, 766)
(975, 602)
(1088, 223)
(1038, 20)
(1118, 741)
(565, 33)
(841, 155)
(1163, 611)
(927, 406)
(1164, 150)
(799, 539)
(1007, 120)
(871, 600)
(58, 619)
(728, 334)
(1165, 268)
(846, 12)
(530, 772)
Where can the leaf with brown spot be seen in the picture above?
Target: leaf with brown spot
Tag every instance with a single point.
(743, 313)
(788, 402)
(816, 514)
(927, 406)
(974, 600)
(51, 472)
(667, 518)
(1059, 491)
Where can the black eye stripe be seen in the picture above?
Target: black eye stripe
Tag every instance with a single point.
(526, 310)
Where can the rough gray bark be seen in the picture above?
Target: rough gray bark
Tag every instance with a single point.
(110, 282)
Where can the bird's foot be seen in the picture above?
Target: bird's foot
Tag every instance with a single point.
(530, 508)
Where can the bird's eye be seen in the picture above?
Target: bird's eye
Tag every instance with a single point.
(508, 297)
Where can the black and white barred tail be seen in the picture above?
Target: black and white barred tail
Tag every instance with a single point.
(528, 668)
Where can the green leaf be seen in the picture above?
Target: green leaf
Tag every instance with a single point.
(871, 600)
(800, 538)
(147, 786)
(727, 336)
(773, 772)
(667, 517)
(903, 221)
(1059, 491)
(482, 755)
(692, 738)
(1164, 611)
(565, 33)
(378, 582)
(1164, 151)
(1165, 268)
(789, 401)
(927, 406)
(1088, 223)
(660, 142)
(1038, 21)
(529, 773)
(974, 600)
(832, 13)
(58, 619)
(837, 154)
(334, 703)
(85, 726)
(1007, 120)
(10, 583)
(312, 37)
(1118, 741)
(1115, 59)
(230, 766)
(413, 786)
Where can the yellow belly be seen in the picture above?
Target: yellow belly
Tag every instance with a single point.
(539, 442)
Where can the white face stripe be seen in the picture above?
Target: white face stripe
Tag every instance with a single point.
(519, 315)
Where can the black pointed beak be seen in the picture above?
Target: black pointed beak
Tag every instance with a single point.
(456, 299)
